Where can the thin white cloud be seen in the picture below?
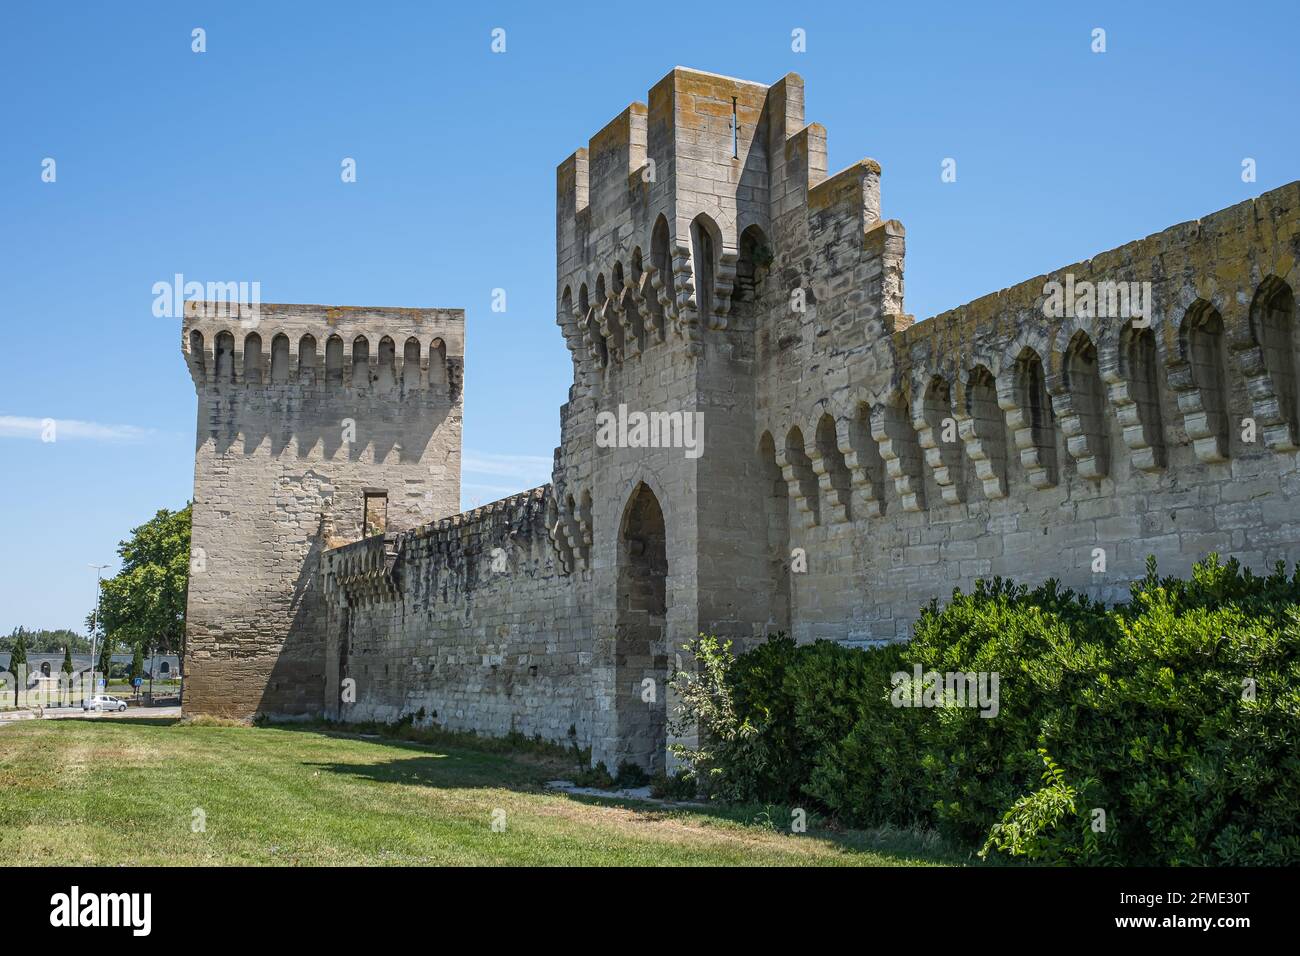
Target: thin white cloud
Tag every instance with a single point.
(70, 429)
(485, 476)
(534, 470)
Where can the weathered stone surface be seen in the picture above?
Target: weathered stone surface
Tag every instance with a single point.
(295, 423)
(855, 464)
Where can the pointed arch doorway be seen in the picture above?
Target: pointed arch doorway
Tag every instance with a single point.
(641, 652)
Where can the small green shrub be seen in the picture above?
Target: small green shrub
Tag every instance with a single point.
(680, 785)
(581, 755)
(629, 776)
(706, 710)
(597, 777)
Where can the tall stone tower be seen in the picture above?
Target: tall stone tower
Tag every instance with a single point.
(317, 426)
(699, 244)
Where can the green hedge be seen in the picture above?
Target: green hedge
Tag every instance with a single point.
(1144, 710)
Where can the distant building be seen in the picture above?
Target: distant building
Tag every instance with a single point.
(50, 665)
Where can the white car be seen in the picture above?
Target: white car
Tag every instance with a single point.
(103, 702)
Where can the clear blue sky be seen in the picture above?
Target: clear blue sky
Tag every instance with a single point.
(225, 166)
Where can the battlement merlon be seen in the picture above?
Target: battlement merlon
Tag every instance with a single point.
(733, 150)
(339, 338)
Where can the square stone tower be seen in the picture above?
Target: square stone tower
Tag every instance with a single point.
(317, 426)
(689, 235)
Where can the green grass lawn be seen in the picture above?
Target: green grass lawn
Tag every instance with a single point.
(125, 791)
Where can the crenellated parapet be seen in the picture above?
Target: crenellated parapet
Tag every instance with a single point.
(364, 572)
(445, 559)
(1187, 337)
(389, 354)
(498, 523)
(669, 220)
(1178, 313)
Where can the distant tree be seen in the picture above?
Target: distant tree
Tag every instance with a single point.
(137, 663)
(67, 660)
(18, 633)
(42, 641)
(144, 603)
(106, 656)
(17, 658)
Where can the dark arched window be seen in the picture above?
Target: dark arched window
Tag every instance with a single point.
(280, 359)
(253, 359)
(225, 358)
(704, 251)
(334, 360)
(1272, 315)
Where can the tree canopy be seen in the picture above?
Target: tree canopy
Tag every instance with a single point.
(144, 603)
(42, 641)
(17, 659)
(137, 664)
(18, 652)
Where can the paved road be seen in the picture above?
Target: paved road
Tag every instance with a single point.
(58, 713)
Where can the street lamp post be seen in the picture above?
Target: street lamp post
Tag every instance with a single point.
(94, 631)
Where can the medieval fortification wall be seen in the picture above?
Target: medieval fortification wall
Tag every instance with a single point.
(854, 463)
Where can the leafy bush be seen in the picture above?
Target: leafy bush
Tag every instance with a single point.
(1177, 713)
(596, 778)
(706, 712)
(1029, 827)
(674, 786)
(629, 776)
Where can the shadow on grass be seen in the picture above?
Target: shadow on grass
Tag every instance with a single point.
(464, 768)
(445, 761)
(533, 761)
(141, 721)
(905, 847)
(438, 767)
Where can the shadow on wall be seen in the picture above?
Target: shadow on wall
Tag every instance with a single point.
(295, 686)
(325, 433)
(347, 385)
(641, 654)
